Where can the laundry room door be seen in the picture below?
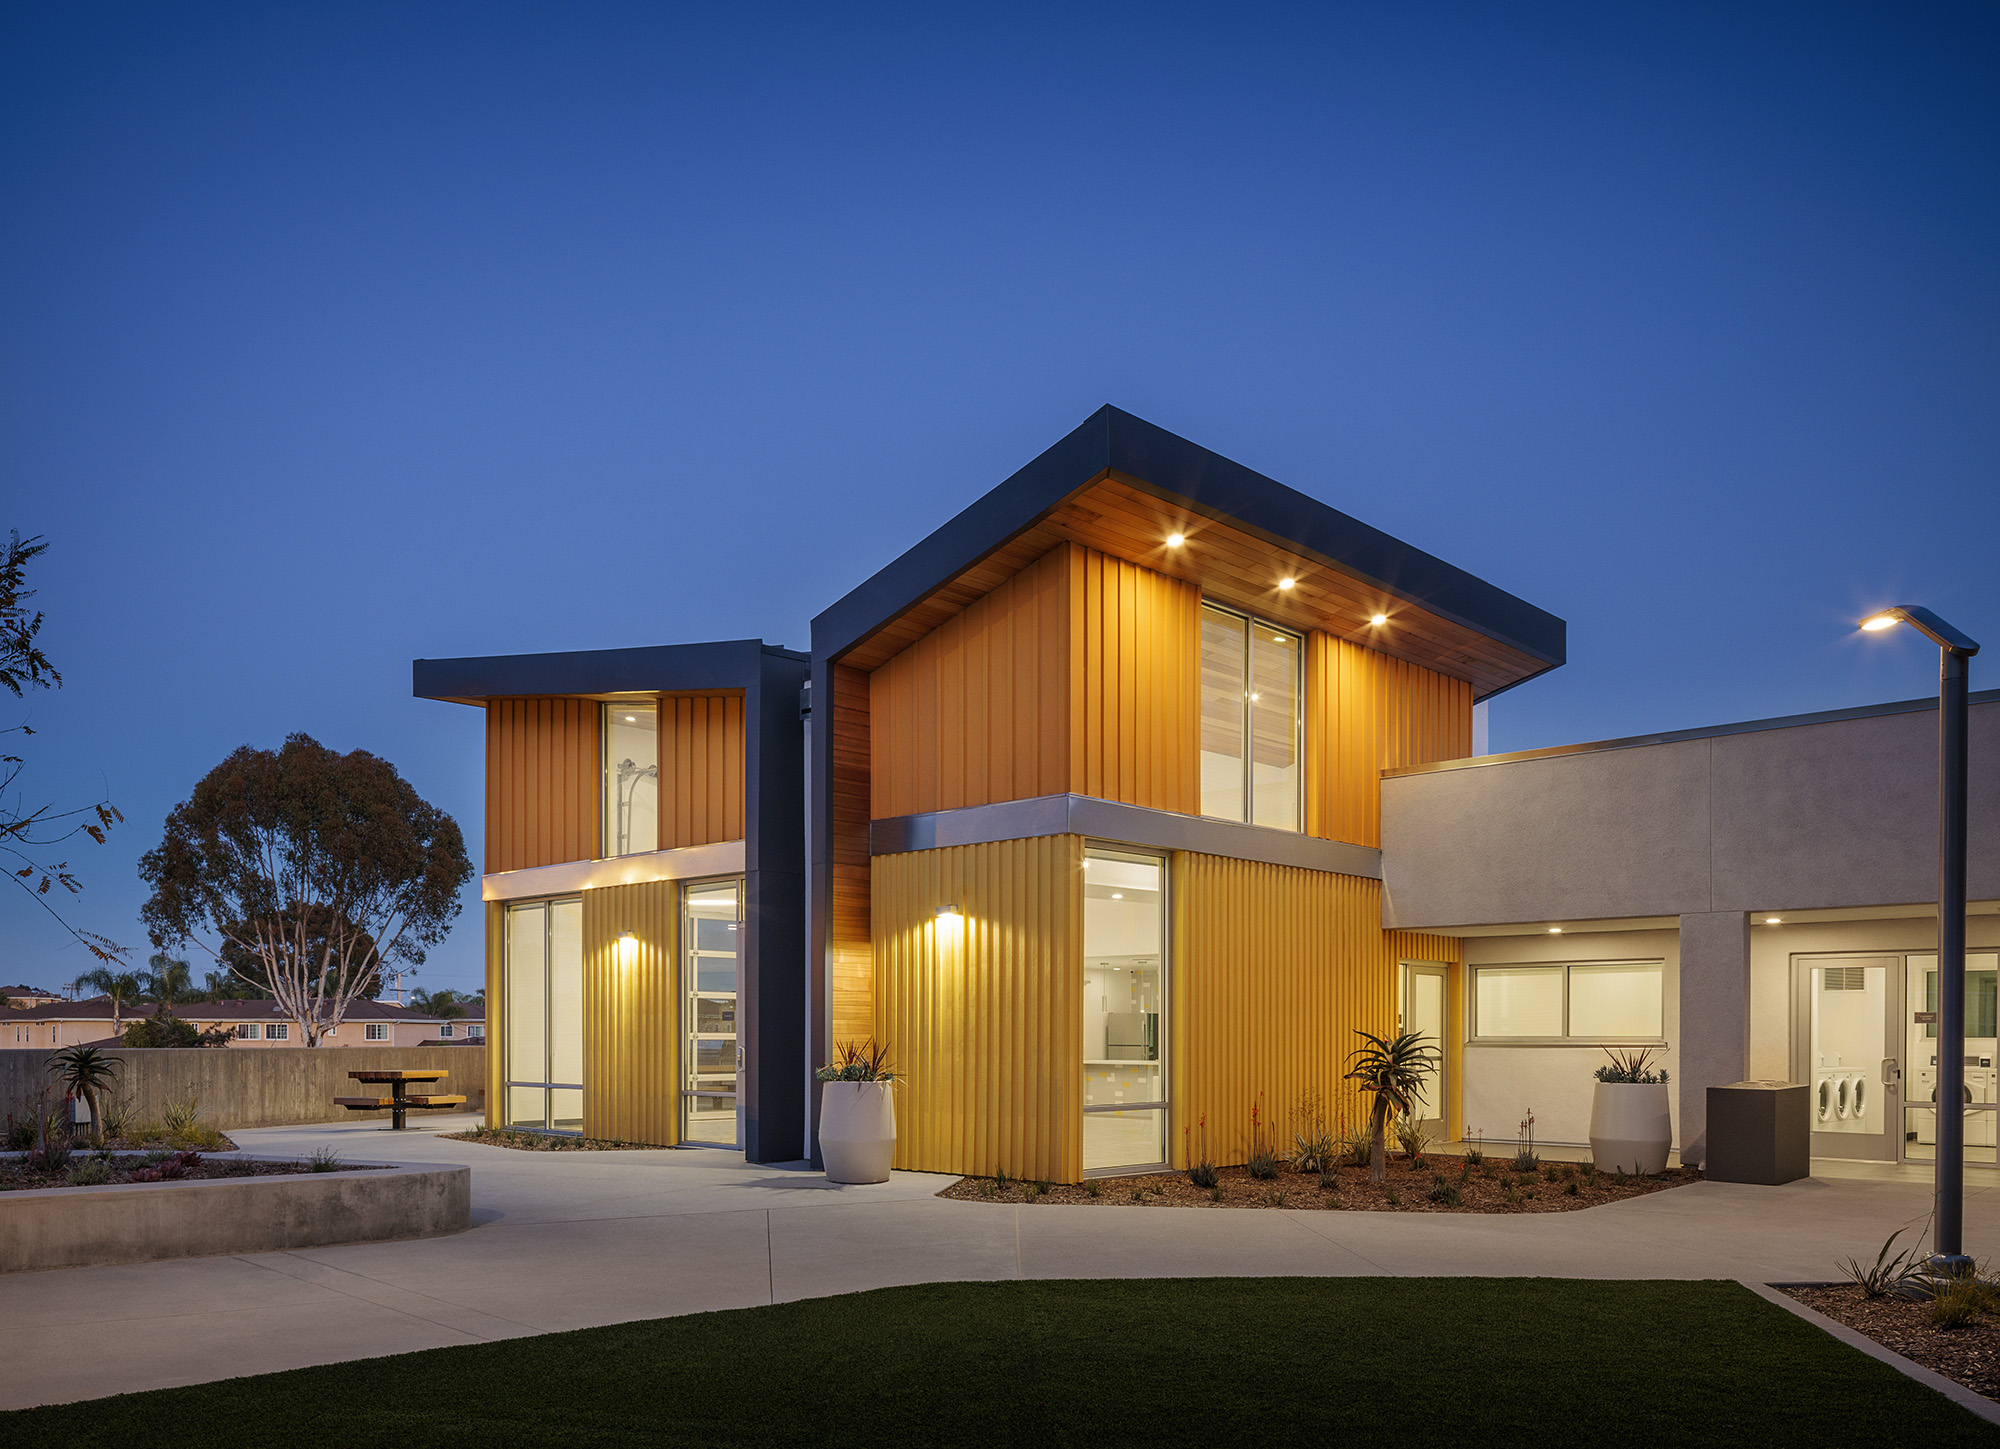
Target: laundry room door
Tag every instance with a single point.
(1980, 1099)
(1845, 1017)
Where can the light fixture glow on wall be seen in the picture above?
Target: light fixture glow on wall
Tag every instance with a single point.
(1175, 540)
(628, 948)
(949, 921)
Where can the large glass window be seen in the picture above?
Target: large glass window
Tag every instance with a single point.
(543, 965)
(1250, 726)
(631, 778)
(1124, 1006)
(712, 933)
(1585, 1001)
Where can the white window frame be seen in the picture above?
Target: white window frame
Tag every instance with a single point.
(278, 1031)
(376, 1031)
(477, 1031)
(1566, 1039)
(247, 1031)
(444, 1030)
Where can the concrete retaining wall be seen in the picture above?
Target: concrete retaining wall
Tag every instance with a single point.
(268, 1087)
(80, 1227)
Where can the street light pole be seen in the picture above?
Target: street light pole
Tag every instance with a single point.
(1955, 651)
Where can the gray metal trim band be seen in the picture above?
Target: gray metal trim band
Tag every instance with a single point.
(1130, 824)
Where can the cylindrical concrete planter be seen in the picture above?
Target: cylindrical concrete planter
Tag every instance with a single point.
(857, 1130)
(1630, 1129)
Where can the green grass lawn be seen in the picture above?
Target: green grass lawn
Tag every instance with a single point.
(1285, 1361)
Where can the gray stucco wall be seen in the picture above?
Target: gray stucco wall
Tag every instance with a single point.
(252, 1086)
(1804, 817)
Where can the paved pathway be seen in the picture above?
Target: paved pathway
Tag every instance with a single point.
(569, 1240)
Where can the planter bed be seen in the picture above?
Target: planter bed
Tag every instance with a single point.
(1968, 1355)
(546, 1141)
(233, 1212)
(1491, 1187)
(131, 1167)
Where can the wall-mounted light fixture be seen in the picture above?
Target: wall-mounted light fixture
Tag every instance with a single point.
(949, 921)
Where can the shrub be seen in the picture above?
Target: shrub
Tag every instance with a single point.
(1138, 1194)
(1392, 1199)
(179, 1118)
(1329, 1181)
(1411, 1137)
(1960, 1301)
(1355, 1145)
(90, 1174)
(1275, 1197)
(51, 1154)
(1215, 1194)
(1042, 1186)
(1263, 1160)
(1633, 1065)
(1201, 1169)
(1314, 1147)
(1886, 1274)
(1474, 1153)
(1094, 1188)
(1263, 1164)
(859, 1062)
(164, 1029)
(20, 1134)
(1444, 1192)
(323, 1159)
(1000, 1179)
(1525, 1159)
(1570, 1189)
(1513, 1195)
(118, 1115)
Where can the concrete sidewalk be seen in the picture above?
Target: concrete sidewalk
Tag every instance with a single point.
(570, 1240)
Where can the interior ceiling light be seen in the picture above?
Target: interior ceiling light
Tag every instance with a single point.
(1555, 930)
(1286, 583)
(631, 719)
(1773, 921)
(1175, 540)
(1118, 895)
(1378, 620)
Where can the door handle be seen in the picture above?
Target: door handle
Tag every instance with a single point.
(1892, 1073)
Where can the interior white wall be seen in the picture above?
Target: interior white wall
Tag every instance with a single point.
(1771, 952)
(1501, 1083)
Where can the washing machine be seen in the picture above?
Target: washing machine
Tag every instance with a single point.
(1823, 1097)
(1980, 1075)
(1860, 1091)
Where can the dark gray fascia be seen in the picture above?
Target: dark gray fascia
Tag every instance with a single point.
(1212, 485)
(1704, 732)
(658, 668)
(1109, 820)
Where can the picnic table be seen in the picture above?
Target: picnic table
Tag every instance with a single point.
(400, 1100)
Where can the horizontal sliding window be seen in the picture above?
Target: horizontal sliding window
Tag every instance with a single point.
(1580, 1001)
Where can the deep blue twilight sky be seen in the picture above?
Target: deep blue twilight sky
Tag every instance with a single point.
(335, 336)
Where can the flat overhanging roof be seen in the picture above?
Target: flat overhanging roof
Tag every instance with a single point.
(1121, 485)
(654, 669)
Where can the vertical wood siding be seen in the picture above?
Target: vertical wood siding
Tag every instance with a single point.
(496, 1019)
(1366, 713)
(1133, 708)
(701, 769)
(631, 1014)
(976, 710)
(542, 782)
(850, 973)
(988, 1027)
(1275, 969)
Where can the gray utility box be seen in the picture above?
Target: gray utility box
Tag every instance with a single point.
(1759, 1132)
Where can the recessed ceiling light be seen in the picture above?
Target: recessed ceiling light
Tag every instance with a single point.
(1118, 895)
(1286, 583)
(631, 719)
(1175, 540)
(1555, 930)
(1774, 921)
(1379, 620)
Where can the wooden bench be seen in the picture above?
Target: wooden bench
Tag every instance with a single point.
(400, 1100)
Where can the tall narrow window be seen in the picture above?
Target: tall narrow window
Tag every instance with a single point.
(1124, 1010)
(543, 961)
(631, 778)
(1250, 694)
(712, 927)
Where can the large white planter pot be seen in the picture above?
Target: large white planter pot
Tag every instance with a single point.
(857, 1130)
(1630, 1130)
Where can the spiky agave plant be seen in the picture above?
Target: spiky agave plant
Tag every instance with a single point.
(1394, 1070)
(86, 1072)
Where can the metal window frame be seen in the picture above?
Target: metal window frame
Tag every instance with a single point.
(547, 1087)
(1165, 861)
(607, 824)
(1473, 1038)
(690, 989)
(1250, 624)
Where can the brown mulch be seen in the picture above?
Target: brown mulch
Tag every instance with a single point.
(1490, 1187)
(1968, 1355)
(126, 1169)
(547, 1142)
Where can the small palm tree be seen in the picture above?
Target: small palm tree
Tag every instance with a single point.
(1394, 1069)
(169, 980)
(120, 986)
(86, 1071)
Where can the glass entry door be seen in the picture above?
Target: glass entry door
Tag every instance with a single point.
(1978, 1099)
(543, 1015)
(1124, 1004)
(1424, 1012)
(1847, 1019)
(711, 967)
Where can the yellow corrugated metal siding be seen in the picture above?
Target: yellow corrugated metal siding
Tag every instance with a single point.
(1275, 969)
(988, 1027)
(631, 1014)
(1366, 713)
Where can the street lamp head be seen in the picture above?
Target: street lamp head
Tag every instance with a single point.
(1926, 623)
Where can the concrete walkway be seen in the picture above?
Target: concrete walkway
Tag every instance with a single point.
(571, 1240)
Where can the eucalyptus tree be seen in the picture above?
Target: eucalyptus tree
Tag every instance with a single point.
(304, 872)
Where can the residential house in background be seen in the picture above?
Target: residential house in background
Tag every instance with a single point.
(252, 1023)
(23, 996)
